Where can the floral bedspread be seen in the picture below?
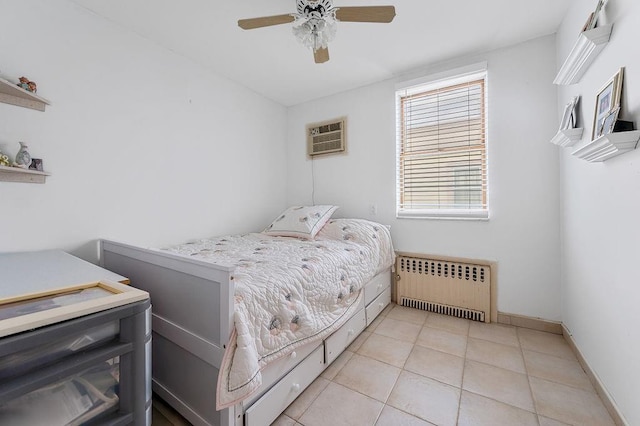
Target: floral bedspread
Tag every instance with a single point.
(289, 292)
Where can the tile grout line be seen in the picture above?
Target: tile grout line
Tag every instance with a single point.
(397, 378)
(524, 362)
(464, 368)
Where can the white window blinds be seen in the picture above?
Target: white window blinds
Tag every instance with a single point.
(441, 153)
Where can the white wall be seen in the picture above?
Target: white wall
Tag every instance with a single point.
(143, 145)
(601, 208)
(522, 234)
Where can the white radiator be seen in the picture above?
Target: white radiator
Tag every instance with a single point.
(447, 287)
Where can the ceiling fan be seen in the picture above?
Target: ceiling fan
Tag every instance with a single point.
(315, 22)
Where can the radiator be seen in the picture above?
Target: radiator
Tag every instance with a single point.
(447, 287)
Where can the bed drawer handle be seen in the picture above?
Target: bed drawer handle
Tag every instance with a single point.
(295, 387)
(351, 332)
(380, 305)
(294, 355)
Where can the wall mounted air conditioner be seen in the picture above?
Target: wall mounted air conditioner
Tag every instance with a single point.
(326, 137)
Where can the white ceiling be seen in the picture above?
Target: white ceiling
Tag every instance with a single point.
(271, 62)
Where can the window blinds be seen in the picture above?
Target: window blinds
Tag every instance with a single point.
(442, 165)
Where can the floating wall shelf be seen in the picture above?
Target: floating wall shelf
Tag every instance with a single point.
(589, 44)
(10, 93)
(608, 146)
(567, 137)
(16, 174)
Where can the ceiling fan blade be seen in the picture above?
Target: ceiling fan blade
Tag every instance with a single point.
(321, 55)
(265, 21)
(366, 14)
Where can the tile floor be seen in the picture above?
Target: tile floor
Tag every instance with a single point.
(412, 368)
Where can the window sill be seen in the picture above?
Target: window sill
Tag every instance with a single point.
(481, 215)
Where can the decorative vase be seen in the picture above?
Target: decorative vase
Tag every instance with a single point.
(23, 158)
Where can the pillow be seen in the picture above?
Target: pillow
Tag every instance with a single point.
(300, 221)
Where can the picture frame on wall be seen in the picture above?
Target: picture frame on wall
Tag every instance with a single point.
(593, 18)
(569, 115)
(587, 24)
(609, 122)
(607, 99)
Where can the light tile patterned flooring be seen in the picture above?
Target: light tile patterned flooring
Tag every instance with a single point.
(413, 368)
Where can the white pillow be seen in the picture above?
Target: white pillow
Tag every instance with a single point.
(300, 221)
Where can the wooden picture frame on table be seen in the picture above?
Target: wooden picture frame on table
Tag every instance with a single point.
(607, 99)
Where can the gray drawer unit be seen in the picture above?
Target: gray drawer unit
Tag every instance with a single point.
(90, 370)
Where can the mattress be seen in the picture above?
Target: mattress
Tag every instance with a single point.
(289, 291)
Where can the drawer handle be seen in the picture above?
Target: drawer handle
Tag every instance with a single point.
(379, 286)
(351, 332)
(380, 305)
(294, 355)
(295, 387)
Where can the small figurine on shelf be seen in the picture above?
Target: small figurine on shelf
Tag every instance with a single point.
(23, 158)
(4, 160)
(26, 84)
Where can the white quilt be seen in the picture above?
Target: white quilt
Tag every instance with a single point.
(289, 292)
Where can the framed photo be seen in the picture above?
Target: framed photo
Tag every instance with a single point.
(607, 99)
(587, 25)
(593, 19)
(36, 164)
(609, 122)
(569, 115)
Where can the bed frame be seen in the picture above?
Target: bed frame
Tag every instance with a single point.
(192, 321)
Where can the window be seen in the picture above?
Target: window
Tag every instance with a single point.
(441, 152)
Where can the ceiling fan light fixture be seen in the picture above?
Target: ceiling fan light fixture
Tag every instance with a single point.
(315, 23)
(315, 34)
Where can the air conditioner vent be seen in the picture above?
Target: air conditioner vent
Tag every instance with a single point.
(326, 137)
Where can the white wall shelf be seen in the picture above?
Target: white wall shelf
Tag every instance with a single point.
(17, 174)
(609, 145)
(589, 44)
(567, 137)
(10, 93)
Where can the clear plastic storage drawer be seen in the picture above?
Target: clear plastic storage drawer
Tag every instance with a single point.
(74, 400)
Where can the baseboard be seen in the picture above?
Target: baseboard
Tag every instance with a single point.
(608, 402)
(530, 322)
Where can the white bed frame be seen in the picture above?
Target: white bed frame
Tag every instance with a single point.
(192, 305)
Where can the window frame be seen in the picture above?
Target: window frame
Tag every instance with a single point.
(433, 82)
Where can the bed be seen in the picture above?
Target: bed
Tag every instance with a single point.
(205, 330)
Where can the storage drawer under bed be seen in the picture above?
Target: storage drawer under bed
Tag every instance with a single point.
(268, 408)
(376, 286)
(338, 341)
(374, 308)
(279, 368)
